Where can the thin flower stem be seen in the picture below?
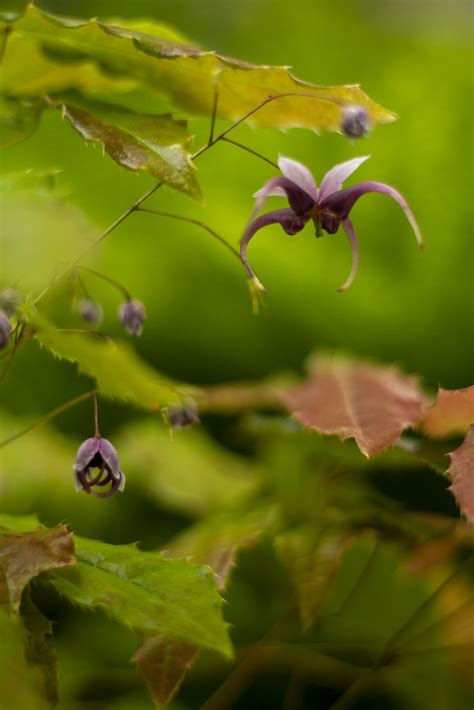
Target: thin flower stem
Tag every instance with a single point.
(250, 150)
(96, 416)
(3, 41)
(214, 112)
(18, 342)
(197, 223)
(100, 238)
(134, 207)
(47, 417)
(111, 281)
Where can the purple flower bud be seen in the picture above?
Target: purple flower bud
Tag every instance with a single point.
(9, 301)
(132, 314)
(355, 121)
(5, 330)
(181, 416)
(98, 453)
(89, 310)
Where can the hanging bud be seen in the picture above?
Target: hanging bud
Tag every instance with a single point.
(5, 330)
(90, 311)
(185, 415)
(9, 301)
(132, 314)
(355, 121)
(98, 454)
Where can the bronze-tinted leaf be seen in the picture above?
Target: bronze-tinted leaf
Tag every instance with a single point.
(163, 662)
(452, 413)
(156, 144)
(372, 404)
(23, 555)
(461, 471)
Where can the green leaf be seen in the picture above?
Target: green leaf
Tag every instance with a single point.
(118, 370)
(187, 75)
(163, 663)
(147, 592)
(156, 144)
(24, 555)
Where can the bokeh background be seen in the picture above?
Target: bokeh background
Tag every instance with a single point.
(415, 309)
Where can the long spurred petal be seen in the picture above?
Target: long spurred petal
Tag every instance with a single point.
(291, 223)
(349, 230)
(341, 203)
(300, 201)
(299, 173)
(334, 178)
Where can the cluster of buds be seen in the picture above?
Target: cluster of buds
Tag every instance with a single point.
(132, 314)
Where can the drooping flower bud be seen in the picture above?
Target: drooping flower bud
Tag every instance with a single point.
(132, 314)
(5, 330)
(185, 415)
(98, 454)
(90, 311)
(355, 121)
(9, 301)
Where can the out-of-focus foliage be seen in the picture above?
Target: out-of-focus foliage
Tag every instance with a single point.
(345, 580)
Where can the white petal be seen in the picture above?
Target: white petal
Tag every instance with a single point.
(300, 174)
(334, 178)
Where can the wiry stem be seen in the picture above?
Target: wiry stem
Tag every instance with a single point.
(251, 150)
(96, 416)
(111, 281)
(47, 417)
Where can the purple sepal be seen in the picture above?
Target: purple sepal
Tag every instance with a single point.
(98, 454)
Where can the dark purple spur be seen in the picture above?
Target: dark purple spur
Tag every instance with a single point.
(97, 464)
(328, 206)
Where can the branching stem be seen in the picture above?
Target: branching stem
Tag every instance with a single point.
(111, 281)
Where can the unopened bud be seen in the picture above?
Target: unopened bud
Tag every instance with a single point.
(89, 310)
(9, 301)
(355, 121)
(5, 330)
(132, 314)
(185, 415)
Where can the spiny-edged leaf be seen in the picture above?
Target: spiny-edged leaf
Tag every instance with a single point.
(370, 403)
(461, 471)
(452, 413)
(39, 648)
(311, 557)
(147, 592)
(20, 682)
(119, 372)
(18, 119)
(163, 662)
(217, 540)
(156, 144)
(189, 473)
(188, 75)
(24, 555)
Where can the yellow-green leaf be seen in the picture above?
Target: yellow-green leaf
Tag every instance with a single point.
(187, 75)
(119, 372)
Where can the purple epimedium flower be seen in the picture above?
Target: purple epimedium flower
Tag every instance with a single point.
(97, 464)
(5, 330)
(328, 206)
(132, 314)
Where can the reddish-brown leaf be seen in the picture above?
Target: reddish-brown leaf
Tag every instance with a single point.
(461, 471)
(163, 662)
(372, 404)
(452, 413)
(23, 555)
